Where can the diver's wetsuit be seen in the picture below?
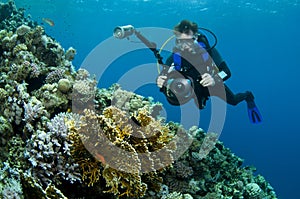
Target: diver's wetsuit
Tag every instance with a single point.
(231, 98)
(201, 92)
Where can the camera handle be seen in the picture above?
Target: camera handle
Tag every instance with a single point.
(151, 45)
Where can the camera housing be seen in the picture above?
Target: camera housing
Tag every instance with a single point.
(179, 89)
(121, 32)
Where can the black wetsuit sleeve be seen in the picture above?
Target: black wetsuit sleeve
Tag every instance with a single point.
(221, 64)
(167, 65)
(165, 69)
(169, 60)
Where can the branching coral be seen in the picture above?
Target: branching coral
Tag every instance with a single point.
(10, 184)
(55, 76)
(32, 110)
(14, 110)
(49, 152)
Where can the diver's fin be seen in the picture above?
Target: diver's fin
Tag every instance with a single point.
(253, 112)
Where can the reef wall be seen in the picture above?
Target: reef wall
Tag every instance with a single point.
(58, 131)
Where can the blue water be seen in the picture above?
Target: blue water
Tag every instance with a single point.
(258, 39)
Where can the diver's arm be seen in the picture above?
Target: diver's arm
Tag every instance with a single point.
(160, 81)
(207, 80)
(224, 71)
(162, 77)
(167, 65)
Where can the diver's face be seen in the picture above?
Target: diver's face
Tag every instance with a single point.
(186, 42)
(186, 45)
(186, 35)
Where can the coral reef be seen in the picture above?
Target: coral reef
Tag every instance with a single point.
(10, 186)
(11, 17)
(219, 175)
(6, 132)
(124, 148)
(62, 137)
(49, 152)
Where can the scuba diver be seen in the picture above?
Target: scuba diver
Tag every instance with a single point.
(196, 70)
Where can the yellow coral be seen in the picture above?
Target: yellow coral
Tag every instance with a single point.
(134, 187)
(127, 149)
(90, 167)
(117, 122)
(52, 192)
(144, 118)
(90, 170)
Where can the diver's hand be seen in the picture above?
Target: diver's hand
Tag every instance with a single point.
(207, 80)
(161, 80)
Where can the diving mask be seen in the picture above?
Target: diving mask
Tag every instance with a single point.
(190, 45)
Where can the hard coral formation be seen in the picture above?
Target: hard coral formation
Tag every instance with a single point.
(64, 85)
(49, 151)
(84, 89)
(70, 54)
(126, 101)
(114, 143)
(6, 132)
(219, 175)
(10, 186)
(125, 148)
(11, 17)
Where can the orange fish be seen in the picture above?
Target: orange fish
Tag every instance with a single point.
(101, 158)
(48, 21)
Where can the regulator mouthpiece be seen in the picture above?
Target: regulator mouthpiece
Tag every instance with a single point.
(121, 32)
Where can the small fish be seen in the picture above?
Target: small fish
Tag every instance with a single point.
(135, 121)
(100, 158)
(48, 21)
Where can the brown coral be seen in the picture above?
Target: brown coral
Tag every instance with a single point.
(130, 149)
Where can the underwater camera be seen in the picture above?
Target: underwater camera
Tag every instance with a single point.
(179, 89)
(121, 32)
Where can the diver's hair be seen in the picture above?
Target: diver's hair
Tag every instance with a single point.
(185, 26)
